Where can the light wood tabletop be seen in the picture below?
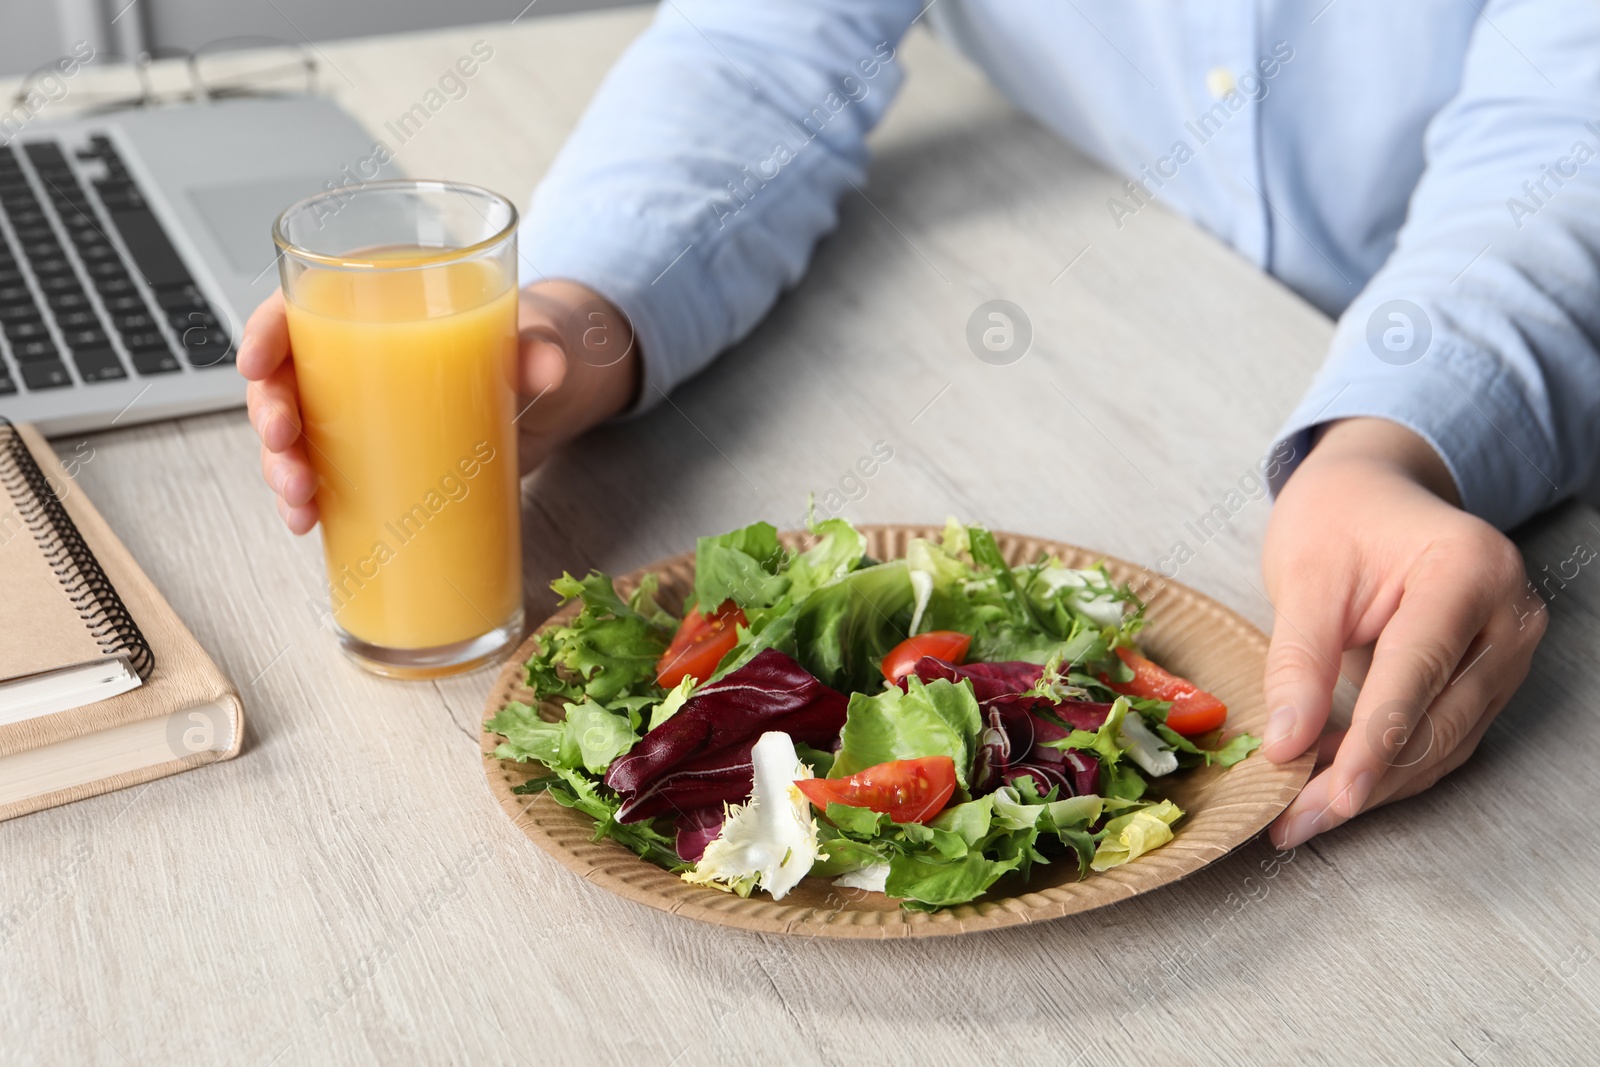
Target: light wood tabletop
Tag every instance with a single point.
(348, 890)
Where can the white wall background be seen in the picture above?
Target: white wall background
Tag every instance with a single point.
(32, 32)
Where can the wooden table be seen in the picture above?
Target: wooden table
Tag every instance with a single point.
(304, 903)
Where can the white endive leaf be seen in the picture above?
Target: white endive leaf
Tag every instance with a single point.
(873, 878)
(771, 842)
(1146, 748)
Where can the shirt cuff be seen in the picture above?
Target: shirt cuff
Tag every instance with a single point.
(663, 289)
(1462, 401)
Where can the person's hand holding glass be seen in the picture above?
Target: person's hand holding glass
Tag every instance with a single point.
(385, 380)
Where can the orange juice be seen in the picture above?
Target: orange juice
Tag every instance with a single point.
(407, 393)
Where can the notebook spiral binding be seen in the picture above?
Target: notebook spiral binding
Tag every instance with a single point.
(86, 585)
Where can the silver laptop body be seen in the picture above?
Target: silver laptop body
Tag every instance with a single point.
(136, 245)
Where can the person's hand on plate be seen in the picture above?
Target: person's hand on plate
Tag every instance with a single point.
(1367, 550)
(577, 365)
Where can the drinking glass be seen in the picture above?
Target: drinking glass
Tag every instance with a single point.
(402, 308)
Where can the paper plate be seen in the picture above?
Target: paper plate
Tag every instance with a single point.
(1187, 632)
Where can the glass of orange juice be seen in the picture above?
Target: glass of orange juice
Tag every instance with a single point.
(402, 307)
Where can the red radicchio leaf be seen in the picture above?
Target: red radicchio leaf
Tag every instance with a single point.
(1045, 730)
(1085, 772)
(1079, 714)
(990, 681)
(1046, 776)
(697, 829)
(702, 754)
(1006, 737)
(994, 683)
(726, 776)
(1076, 774)
(1013, 741)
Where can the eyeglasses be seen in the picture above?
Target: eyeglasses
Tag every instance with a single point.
(225, 69)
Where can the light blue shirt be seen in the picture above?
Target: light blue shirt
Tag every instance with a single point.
(1426, 171)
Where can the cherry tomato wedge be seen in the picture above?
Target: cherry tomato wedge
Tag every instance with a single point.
(907, 790)
(1194, 711)
(947, 645)
(700, 644)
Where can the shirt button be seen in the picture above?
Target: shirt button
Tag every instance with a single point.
(1219, 82)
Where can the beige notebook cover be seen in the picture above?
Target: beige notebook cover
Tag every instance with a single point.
(184, 714)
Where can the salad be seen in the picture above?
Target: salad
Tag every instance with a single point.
(919, 727)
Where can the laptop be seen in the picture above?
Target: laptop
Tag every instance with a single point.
(133, 247)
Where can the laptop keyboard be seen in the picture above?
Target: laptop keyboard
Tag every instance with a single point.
(145, 313)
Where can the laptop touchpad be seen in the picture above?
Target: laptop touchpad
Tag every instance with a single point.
(240, 216)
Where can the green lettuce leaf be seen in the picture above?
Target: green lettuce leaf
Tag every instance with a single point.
(819, 761)
(822, 606)
(1063, 596)
(743, 565)
(842, 631)
(1236, 749)
(1106, 742)
(589, 738)
(772, 627)
(1117, 778)
(836, 552)
(987, 556)
(527, 737)
(841, 854)
(862, 822)
(928, 838)
(644, 602)
(1082, 845)
(1122, 782)
(1056, 684)
(1127, 837)
(672, 702)
(609, 650)
(938, 718)
(1073, 813)
(970, 820)
(939, 576)
(1010, 813)
(571, 789)
(1036, 612)
(933, 883)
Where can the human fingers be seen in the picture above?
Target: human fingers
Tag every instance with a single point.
(1423, 751)
(541, 366)
(1406, 781)
(541, 340)
(274, 413)
(1356, 664)
(289, 475)
(1328, 747)
(294, 486)
(301, 519)
(1439, 741)
(273, 405)
(1492, 670)
(1309, 628)
(1437, 619)
(1353, 669)
(264, 344)
(576, 366)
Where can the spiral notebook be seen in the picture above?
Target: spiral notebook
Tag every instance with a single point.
(101, 685)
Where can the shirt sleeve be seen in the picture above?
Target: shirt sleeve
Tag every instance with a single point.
(710, 162)
(1480, 332)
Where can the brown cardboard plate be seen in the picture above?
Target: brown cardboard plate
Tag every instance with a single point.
(1187, 632)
